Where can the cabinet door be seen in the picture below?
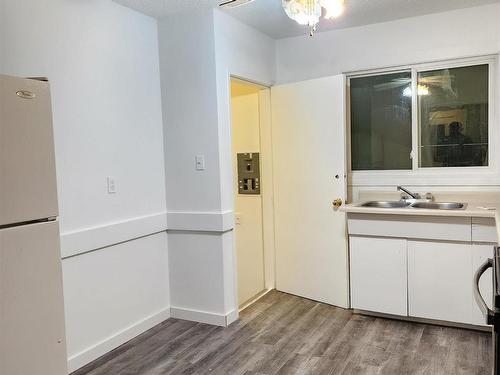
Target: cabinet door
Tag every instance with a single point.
(439, 282)
(378, 274)
(481, 252)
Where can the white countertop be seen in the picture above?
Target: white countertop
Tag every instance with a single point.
(475, 206)
(471, 210)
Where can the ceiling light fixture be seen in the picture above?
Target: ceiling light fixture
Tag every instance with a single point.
(422, 90)
(308, 12)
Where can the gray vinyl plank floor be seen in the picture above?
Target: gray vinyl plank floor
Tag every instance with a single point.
(285, 334)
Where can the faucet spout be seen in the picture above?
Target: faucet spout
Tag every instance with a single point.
(413, 195)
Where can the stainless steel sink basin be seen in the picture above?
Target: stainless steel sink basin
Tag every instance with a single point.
(439, 205)
(417, 205)
(386, 204)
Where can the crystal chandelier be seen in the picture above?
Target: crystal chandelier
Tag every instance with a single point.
(308, 12)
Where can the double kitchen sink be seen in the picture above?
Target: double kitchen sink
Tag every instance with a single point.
(415, 204)
(414, 200)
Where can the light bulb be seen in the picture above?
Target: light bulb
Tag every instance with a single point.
(407, 91)
(422, 90)
(304, 12)
(333, 8)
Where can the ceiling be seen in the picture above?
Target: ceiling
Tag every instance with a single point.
(269, 17)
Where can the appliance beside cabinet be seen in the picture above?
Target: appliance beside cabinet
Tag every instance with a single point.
(32, 332)
(492, 316)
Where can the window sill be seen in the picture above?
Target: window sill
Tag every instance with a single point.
(467, 176)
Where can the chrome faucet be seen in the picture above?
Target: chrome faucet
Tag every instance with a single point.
(413, 195)
(428, 197)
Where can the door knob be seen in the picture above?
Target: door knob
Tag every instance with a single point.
(337, 203)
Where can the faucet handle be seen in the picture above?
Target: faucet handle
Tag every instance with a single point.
(429, 196)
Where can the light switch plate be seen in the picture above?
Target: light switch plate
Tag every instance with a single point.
(200, 162)
(111, 185)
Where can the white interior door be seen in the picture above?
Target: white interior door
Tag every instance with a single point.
(309, 167)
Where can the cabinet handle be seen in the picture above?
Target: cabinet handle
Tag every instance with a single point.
(477, 293)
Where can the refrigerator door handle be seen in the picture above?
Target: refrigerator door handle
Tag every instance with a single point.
(477, 293)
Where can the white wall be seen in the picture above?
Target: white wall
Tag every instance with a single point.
(198, 52)
(450, 35)
(244, 51)
(102, 63)
(200, 252)
(188, 81)
(189, 96)
(114, 294)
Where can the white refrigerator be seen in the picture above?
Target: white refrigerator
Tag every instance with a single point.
(32, 333)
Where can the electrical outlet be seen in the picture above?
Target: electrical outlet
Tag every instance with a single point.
(237, 219)
(111, 185)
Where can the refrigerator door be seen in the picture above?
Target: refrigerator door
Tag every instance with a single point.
(32, 333)
(28, 188)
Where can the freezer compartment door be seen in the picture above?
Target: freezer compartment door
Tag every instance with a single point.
(27, 169)
(32, 333)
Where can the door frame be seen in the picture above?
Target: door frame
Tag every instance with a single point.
(267, 187)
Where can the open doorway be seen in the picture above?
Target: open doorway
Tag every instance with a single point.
(252, 180)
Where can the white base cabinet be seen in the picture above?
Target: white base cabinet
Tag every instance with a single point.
(422, 278)
(378, 274)
(439, 280)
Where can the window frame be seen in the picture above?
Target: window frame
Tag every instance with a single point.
(480, 175)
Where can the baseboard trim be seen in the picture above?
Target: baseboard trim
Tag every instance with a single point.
(436, 322)
(204, 317)
(201, 221)
(252, 300)
(232, 317)
(92, 353)
(93, 238)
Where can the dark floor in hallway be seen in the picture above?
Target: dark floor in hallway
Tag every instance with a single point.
(285, 334)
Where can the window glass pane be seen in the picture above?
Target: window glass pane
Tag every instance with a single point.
(453, 118)
(381, 122)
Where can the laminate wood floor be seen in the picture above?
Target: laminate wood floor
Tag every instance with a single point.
(285, 334)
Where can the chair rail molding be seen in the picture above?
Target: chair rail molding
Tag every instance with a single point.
(93, 238)
(222, 221)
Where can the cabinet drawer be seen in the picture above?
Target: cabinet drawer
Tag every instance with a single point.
(406, 226)
(484, 230)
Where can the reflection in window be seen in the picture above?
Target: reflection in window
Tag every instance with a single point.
(381, 131)
(453, 117)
